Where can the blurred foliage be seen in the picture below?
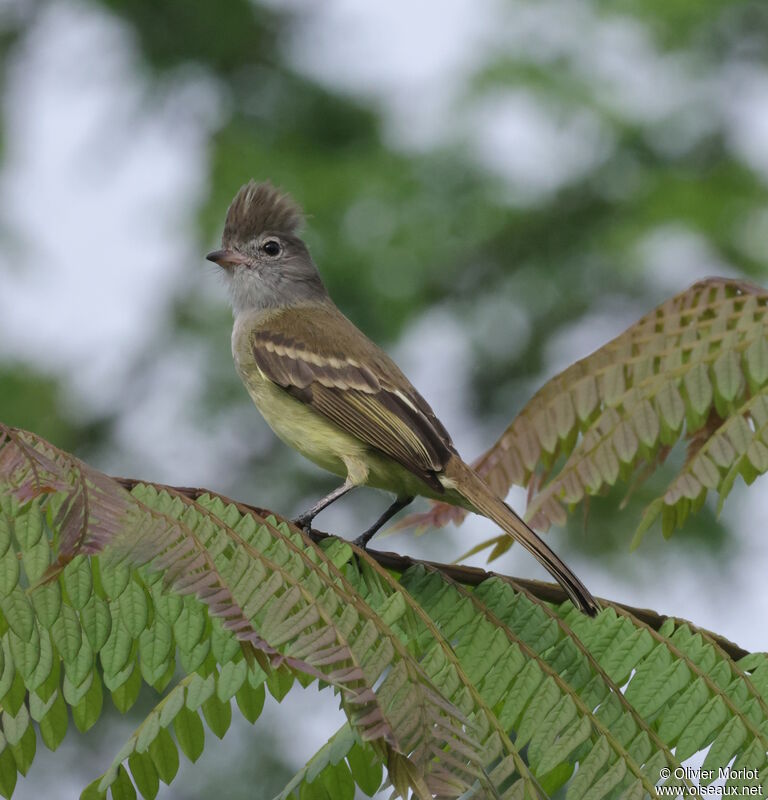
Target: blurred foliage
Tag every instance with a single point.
(708, 25)
(396, 231)
(177, 32)
(29, 398)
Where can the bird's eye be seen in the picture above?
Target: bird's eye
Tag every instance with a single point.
(271, 247)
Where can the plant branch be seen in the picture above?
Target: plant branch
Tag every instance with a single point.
(470, 576)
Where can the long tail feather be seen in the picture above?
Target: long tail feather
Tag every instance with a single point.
(485, 502)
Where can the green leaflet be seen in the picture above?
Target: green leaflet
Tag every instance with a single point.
(133, 608)
(189, 733)
(328, 774)
(156, 646)
(224, 644)
(26, 654)
(122, 788)
(250, 701)
(18, 613)
(87, 711)
(483, 686)
(199, 690)
(36, 560)
(365, 768)
(116, 650)
(9, 574)
(189, 626)
(96, 621)
(7, 770)
(231, 678)
(73, 694)
(164, 756)
(6, 523)
(67, 634)
(46, 600)
(77, 581)
(15, 725)
(24, 750)
(28, 526)
(144, 775)
(218, 715)
(53, 726)
(126, 691)
(114, 578)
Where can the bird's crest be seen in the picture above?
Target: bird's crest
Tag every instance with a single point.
(260, 207)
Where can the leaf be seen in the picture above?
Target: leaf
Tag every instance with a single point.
(91, 792)
(66, 633)
(189, 733)
(679, 373)
(77, 580)
(96, 621)
(15, 725)
(218, 715)
(53, 726)
(199, 690)
(9, 574)
(19, 613)
(46, 601)
(444, 673)
(250, 701)
(231, 678)
(133, 609)
(7, 772)
(127, 693)
(24, 750)
(164, 756)
(116, 651)
(144, 775)
(338, 782)
(122, 788)
(88, 710)
(365, 768)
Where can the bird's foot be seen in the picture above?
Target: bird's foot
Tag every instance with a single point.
(304, 521)
(365, 537)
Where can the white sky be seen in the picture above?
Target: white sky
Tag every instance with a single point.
(99, 181)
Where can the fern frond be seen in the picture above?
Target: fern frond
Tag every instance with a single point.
(270, 589)
(695, 369)
(458, 682)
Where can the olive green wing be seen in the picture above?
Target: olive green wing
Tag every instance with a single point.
(369, 399)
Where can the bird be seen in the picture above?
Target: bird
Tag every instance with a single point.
(331, 393)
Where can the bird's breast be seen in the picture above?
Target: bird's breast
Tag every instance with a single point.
(295, 423)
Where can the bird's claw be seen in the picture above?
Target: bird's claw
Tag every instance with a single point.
(304, 522)
(363, 539)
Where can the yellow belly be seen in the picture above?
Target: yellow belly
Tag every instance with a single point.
(301, 427)
(317, 438)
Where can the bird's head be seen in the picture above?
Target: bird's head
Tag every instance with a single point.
(266, 263)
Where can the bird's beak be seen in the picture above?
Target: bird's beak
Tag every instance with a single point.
(227, 258)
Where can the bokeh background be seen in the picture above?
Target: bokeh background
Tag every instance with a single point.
(494, 190)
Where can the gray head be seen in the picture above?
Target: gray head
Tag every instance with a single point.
(266, 263)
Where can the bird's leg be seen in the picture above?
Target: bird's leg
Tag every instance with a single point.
(304, 521)
(366, 536)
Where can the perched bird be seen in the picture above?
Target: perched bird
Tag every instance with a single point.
(330, 392)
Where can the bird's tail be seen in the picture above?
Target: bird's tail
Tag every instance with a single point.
(476, 492)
